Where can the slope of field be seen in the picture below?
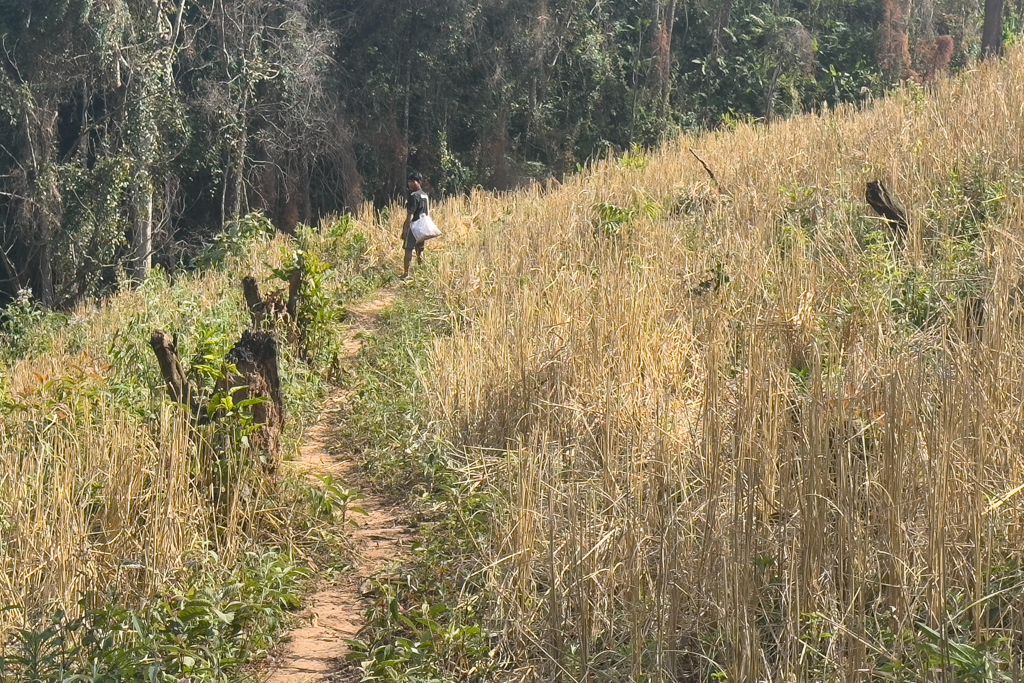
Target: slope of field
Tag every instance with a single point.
(739, 428)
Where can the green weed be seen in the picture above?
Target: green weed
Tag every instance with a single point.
(204, 633)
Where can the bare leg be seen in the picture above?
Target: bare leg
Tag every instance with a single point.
(408, 261)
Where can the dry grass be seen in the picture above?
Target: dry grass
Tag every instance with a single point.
(778, 478)
(102, 490)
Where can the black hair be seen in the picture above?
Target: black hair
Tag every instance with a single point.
(415, 175)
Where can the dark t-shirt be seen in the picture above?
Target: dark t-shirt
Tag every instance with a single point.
(418, 204)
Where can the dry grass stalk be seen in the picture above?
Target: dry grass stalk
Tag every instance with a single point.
(103, 490)
(764, 478)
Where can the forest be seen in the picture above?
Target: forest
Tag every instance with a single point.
(134, 130)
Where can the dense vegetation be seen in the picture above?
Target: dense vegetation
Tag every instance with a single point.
(132, 130)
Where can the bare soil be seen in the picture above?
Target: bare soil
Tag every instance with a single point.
(335, 612)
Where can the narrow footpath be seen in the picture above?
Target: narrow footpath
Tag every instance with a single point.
(334, 613)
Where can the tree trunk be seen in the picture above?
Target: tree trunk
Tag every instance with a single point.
(721, 21)
(178, 388)
(894, 48)
(295, 293)
(255, 356)
(405, 122)
(11, 271)
(257, 307)
(882, 201)
(351, 179)
(144, 229)
(992, 32)
(926, 21)
(243, 147)
(668, 27)
(45, 270)
(541, 32)
(40, 204)
(769, 110)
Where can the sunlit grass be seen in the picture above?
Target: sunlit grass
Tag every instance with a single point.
(742, 431)
(106, 490)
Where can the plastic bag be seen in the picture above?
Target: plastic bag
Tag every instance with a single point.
(423, 228)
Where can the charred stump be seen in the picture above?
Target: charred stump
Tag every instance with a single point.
(267, 312)
(256, 375)
(255, 358)
(882, 201)
(178, 387)
(253, 300)
(294, 294)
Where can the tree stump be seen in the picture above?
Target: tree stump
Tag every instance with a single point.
(253, 300)
(255, 361)
(255, 357)
(294, 293)
(882, 201)
(178, 387)
(267, 312)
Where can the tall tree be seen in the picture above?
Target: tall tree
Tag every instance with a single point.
(720, 27)
(663, 26)
(992, 31)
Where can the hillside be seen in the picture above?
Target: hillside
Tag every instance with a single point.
(653, 426)
(133, 130)
(742, 429)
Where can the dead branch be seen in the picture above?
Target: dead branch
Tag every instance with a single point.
(710, 173)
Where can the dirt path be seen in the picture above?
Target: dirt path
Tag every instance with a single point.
(334, 613)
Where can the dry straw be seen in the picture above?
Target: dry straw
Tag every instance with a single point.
(739, 430)
(105, 489)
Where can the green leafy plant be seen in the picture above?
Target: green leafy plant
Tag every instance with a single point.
(237, 236)
(201, 633)
(337, 499)
(611, 218)
(20, 324)
(984, 662)
(635, 158)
